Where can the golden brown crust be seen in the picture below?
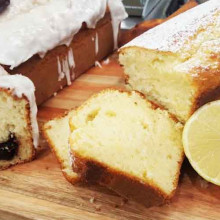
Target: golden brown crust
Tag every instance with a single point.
(45, 127)
(92, 172)
(28, 118)
(207, 82)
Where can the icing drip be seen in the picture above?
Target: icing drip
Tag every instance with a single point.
(60, 72)
(30, 27)
(96, 43)
(21, 85)
(66, 70)
(117, 14)
(66, 67)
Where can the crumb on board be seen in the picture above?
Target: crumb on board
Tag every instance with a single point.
(92, 200)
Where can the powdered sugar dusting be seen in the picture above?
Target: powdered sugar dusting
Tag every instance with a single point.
(175, 34)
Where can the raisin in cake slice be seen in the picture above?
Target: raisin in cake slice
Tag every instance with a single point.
(57, 133)
(177, 64)
(18, 120)
(122, 141)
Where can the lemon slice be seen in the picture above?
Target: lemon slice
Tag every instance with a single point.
(201, 141)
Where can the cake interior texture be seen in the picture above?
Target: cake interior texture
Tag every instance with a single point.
(16, 144)
(127, 134)
(176, 80)
(57, 133)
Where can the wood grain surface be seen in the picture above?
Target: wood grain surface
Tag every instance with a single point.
(38, 190)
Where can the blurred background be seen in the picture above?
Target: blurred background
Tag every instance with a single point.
(140, 10)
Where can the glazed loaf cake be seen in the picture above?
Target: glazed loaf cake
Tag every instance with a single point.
(120, 140)
(177, 64)
(18, 120)
(52, 42)
(57, 133)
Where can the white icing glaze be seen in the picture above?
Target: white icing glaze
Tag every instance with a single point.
(96, 43)
(175, 34)
(2, 71)
(21, 85)
(31, 27)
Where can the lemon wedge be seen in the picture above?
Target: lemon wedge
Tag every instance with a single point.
(201, 141)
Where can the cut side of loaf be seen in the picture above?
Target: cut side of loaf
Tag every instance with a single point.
(122, 141)
(177, 64)
(18, 123)
(57, 133)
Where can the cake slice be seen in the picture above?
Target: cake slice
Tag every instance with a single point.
(18, 120)
(121, 141)
(57, 133)
(177, 64)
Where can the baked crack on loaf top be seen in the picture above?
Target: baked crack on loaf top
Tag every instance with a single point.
(120, 140)
(177, 64)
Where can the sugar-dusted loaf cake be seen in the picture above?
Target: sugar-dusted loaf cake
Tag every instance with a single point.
(18, 120)
(122, 141)
(177, 64)
(57, 133)
(55, 41)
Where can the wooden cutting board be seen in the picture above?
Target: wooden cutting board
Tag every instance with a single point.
(38, 190)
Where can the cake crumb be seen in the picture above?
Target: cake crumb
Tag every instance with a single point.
(55, 94)
(92, 200)
(61, 87)
(98, 64)
(106, 62)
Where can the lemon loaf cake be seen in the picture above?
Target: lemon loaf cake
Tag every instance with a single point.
(122, 141)
(177, 64)
(55, 41)
(57, 133)
(18, 120)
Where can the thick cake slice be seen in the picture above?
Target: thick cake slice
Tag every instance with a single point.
(177, 64)
(124, 142)
(18, 124)
(57, 133)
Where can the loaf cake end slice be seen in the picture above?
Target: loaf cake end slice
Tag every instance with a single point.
(57, 133)
(120, 140)
(18, 120)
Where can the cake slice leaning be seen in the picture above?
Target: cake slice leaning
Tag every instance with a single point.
(57, 133)
(18, 120)
(121, 141)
